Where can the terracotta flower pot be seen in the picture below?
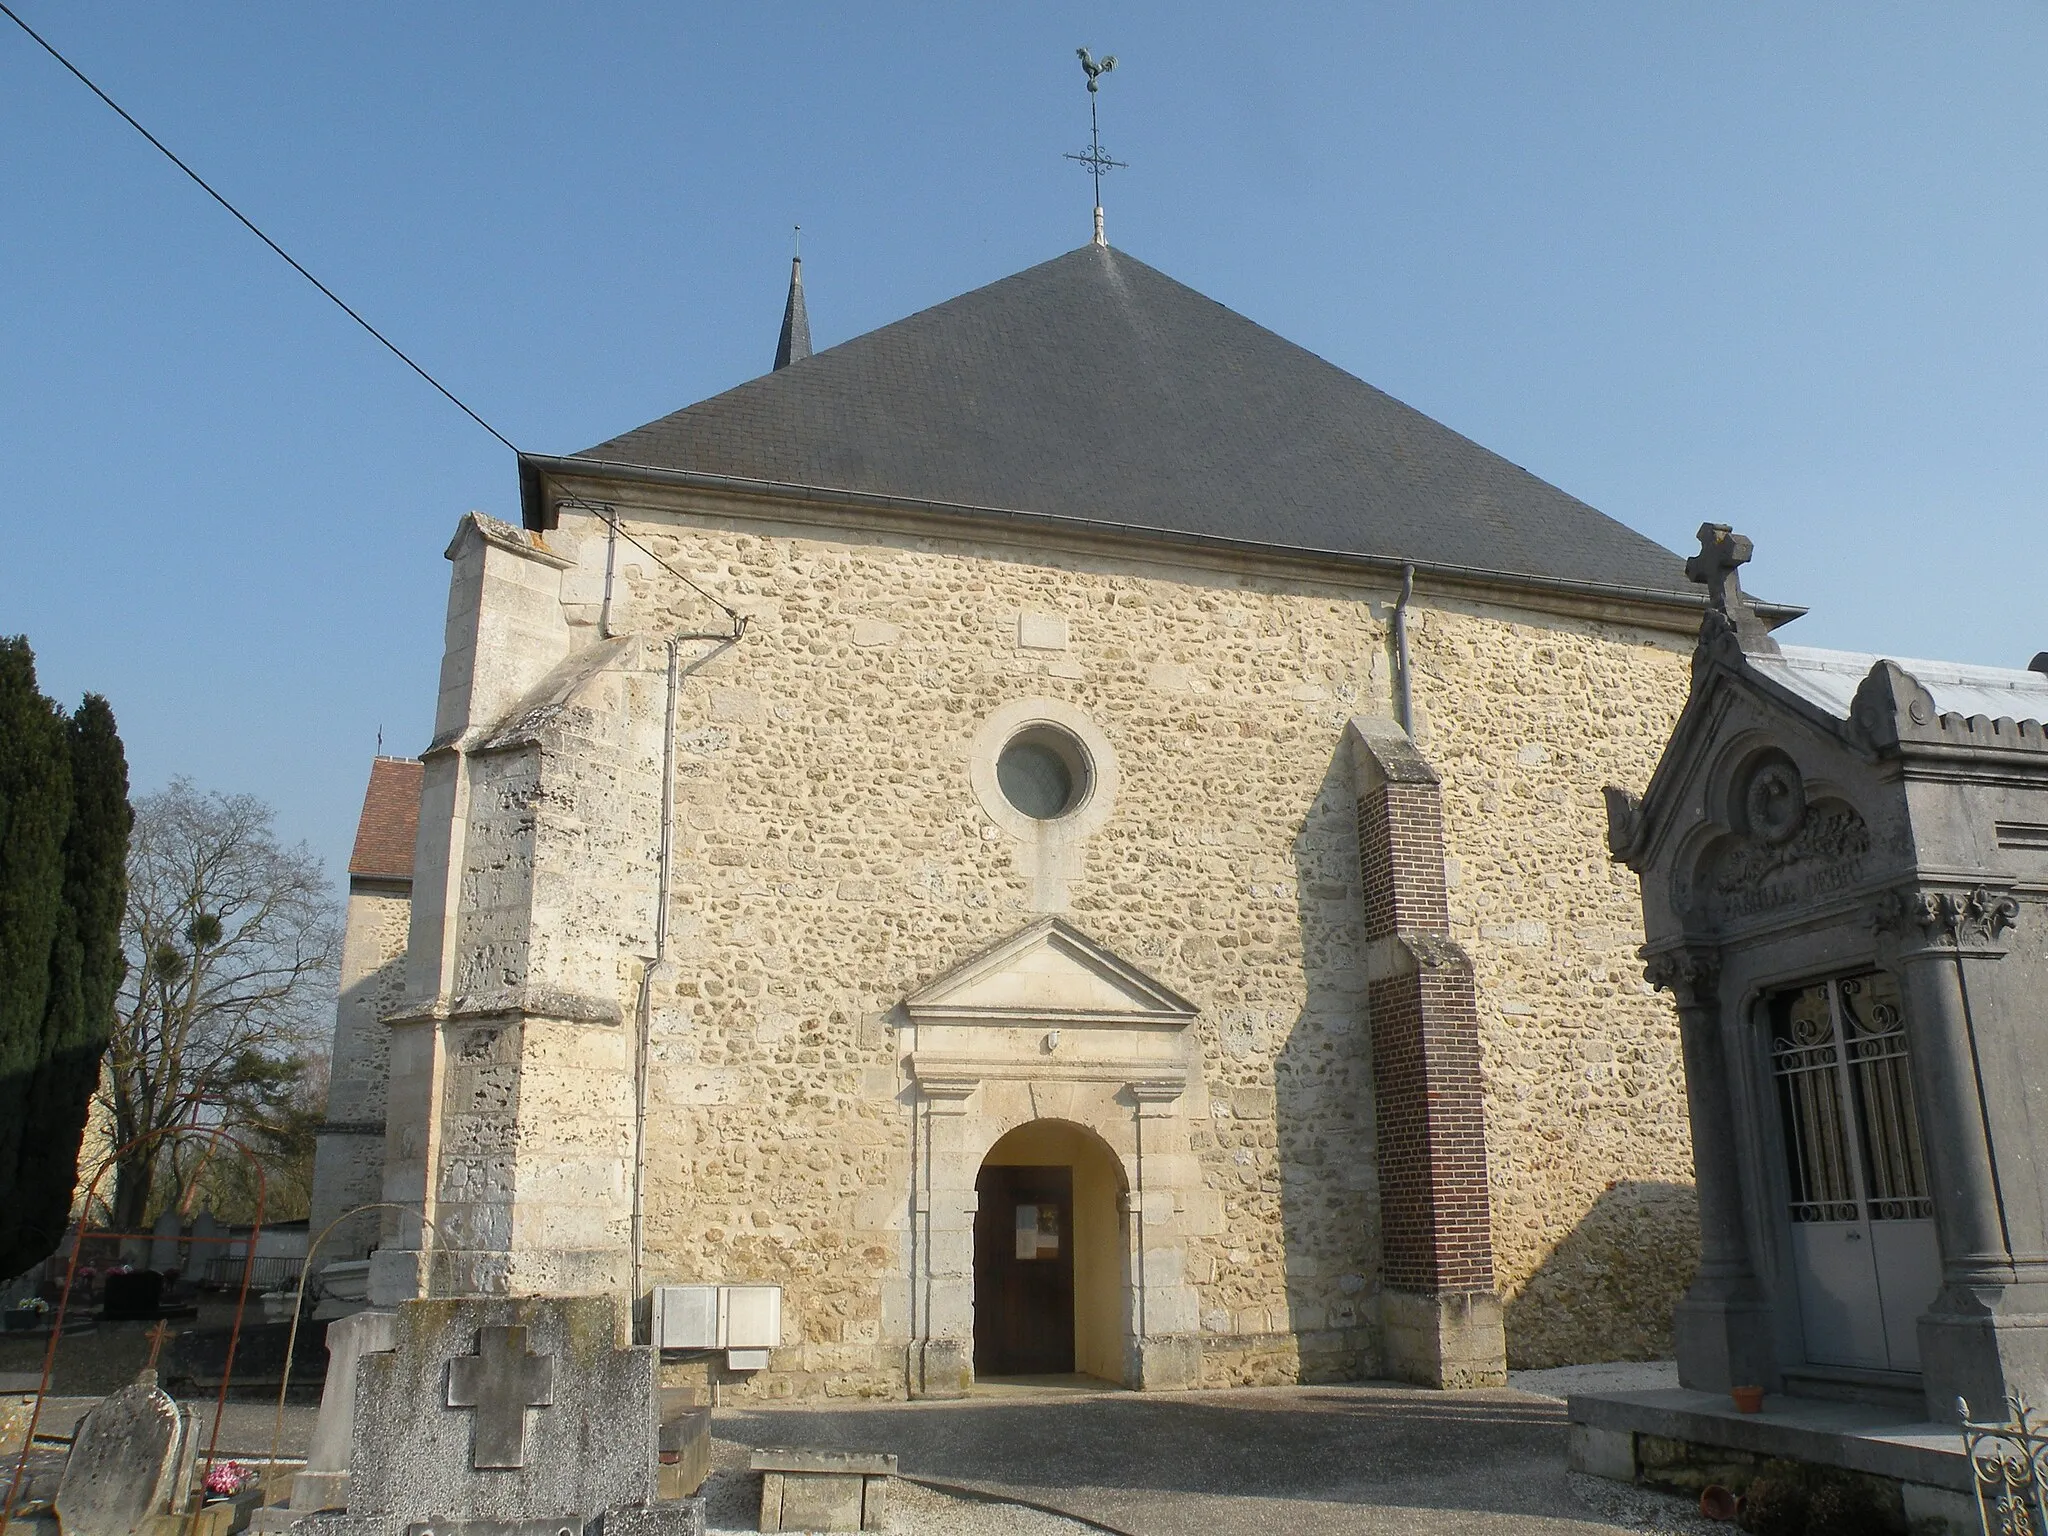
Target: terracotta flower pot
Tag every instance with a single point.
(1717, 1503)
(1747, 1399)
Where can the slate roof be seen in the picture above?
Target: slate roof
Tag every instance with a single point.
(794, 344)
(390, 820)
(1094, 387)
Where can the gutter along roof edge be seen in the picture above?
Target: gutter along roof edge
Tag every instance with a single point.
(534, 514)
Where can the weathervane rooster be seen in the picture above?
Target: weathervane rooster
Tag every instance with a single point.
(1093, 70)
(1095, 161)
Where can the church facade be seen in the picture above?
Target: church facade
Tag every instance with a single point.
(1066, 833)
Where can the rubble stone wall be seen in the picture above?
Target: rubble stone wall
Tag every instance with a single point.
(830, 857)
(348, 1160)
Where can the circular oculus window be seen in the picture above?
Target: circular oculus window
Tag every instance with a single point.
(1043, 772)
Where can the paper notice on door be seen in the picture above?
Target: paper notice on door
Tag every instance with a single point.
(1038, 1231)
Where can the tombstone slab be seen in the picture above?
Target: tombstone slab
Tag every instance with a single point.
(16, 1409)
(324, 1482)
(823, 1490)
(503, 1409)
(488, 1416)
(131, 1459)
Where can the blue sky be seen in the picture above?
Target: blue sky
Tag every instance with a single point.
(1775, 264)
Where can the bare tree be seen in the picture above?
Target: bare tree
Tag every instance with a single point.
(231, 944)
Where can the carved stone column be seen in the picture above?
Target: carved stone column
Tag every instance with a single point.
(1723, 1324)
(1165, 1352)
(1985, 1336)
(941, 1359)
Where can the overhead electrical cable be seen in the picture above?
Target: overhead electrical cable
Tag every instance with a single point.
(247, 224)
(739, 622)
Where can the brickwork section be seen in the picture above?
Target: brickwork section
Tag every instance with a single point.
(1428, 1092)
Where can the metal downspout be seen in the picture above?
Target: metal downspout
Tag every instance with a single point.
(1404, 696)
(644, 1024)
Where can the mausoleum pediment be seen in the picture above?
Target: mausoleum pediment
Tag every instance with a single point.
(1048, 973)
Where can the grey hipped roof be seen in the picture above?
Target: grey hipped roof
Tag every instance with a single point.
(1093, 387)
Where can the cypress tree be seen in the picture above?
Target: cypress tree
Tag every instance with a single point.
(35, 813)
(63, 851)
(86, 967)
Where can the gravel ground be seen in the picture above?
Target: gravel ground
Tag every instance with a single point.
(1562, 1381)
(1338, 1489)
(732, 1506)
(1629, 1508)
(1365, 1460)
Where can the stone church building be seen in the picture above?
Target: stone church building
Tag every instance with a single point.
(1066, 833)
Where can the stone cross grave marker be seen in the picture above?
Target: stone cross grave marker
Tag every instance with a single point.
(1723, 552)
(500, 1381)
(130, 1461)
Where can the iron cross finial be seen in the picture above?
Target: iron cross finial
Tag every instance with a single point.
(1096, 160)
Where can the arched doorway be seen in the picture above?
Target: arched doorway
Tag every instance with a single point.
(1050, 1246)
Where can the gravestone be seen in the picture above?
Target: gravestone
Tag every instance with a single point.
(323, 1484)
(823, 1490)
(164, 1239)
(684, 1442)
(134, 1297)
(516, 1416)
(205, 1248)
(131, 1460)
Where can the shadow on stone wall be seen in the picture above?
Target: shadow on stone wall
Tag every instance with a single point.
(1615, 1278)
(349, 1166)
(1323, 1114)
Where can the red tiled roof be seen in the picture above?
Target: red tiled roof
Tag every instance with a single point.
(391, 819)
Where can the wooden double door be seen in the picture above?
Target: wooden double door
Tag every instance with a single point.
(1024, 1272)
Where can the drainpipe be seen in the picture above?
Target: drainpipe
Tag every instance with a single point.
(1404, 696)
(645, 1021)
(611, 552)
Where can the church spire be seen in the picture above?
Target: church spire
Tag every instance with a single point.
(795, 343)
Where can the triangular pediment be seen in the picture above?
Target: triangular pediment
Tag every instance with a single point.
(1713, 712)
(1051, 972)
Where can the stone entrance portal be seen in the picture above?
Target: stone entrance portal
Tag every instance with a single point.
(1051, 1248)
(1048, 1052)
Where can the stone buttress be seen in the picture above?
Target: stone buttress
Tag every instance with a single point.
(511, 1099)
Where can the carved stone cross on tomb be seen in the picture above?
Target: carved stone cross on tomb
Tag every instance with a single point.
(1723, 551)
(500, 1381)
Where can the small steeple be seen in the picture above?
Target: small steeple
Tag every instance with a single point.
(795, 343)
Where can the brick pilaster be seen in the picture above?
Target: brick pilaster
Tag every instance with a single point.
(1428, 1096)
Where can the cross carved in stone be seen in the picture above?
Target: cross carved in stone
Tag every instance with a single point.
(1723, 551)
(500, 1381)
